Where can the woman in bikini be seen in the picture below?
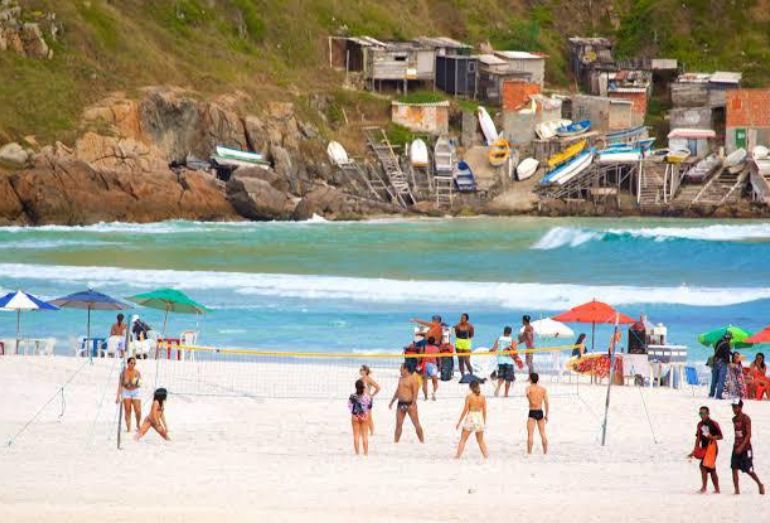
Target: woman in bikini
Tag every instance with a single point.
(372, 388)
(464, 343)
(360, 406)
(473, 419)
(129, 382)
(758, 373)
(157, 417)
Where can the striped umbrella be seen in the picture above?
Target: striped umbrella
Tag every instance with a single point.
(21, 301)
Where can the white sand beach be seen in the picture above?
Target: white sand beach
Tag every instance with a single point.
(249, 459)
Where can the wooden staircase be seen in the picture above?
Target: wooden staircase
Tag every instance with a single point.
(652, 186)
(356, 177)
(395, 177)
(444, 189)
(725, 187)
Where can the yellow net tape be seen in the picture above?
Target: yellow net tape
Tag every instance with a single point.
(349, 355)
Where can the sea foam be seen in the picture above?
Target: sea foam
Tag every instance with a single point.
(252, 286)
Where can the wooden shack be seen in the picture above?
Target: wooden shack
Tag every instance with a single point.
(444, 46)
(493, 72)
(524, 62)
(747, 118)
(587, 57)
(456, 75)
(348, 53)
(697, 141)
(606, 114)
(719, 83)
(397, 64)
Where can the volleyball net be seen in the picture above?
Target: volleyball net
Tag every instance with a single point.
(259, 373)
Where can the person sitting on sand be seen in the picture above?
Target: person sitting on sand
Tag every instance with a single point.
(157, 417)
(430, 368)
(372, 389)
(406, 393)
(464, 333)
(505, 364)
(537, 397)
(743, 455)
(360, 405)
(129, 383)
(473, 419)
(707, 433)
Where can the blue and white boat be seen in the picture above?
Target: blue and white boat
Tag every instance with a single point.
(464, 179)
(626, 154)
(575, 128)
(566, 170)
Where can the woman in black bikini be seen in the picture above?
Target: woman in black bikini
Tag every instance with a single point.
(464, 343)
(157, 417)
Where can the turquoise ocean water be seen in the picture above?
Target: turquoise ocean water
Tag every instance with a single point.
(353, 286)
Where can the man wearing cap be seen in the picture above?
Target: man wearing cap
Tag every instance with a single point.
(719, 369)
(743, 456)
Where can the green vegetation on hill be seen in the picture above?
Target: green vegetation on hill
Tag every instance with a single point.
(276, 49)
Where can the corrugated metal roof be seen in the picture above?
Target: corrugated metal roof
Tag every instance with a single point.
(726, 77)
(490, 59)
(693, 78)
(692, 133)
(441, 41)
(520, 55)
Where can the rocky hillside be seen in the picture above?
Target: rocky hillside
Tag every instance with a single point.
(98, 97)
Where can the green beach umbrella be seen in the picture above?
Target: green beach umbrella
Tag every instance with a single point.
(710, 338)
(169, 300)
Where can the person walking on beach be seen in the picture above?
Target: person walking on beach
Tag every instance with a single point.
(505, 363)
(157, 417)
(538, 398)
(707, 433)
(473, 419)
(464, 333)
(406, 393)
(372, 389)
(527, 337)
(430, 368)
(360, 406)
(743, 455)
(719, 365)
(129, 383)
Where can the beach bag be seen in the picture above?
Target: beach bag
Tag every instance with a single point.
(710, 457)
(447, 368)
(468, 378)
(699, 452)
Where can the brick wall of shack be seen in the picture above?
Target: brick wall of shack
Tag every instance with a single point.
(638, 105)
(423, 118)
(516, 93)
(749, 110)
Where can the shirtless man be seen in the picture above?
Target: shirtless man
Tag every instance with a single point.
(406, 394)
(527, 337)
(537, 397)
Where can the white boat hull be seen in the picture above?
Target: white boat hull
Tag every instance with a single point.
(526, 168)
(576, 168)
(418, 153)
(337, 153)
(235, 154)
(487, 126)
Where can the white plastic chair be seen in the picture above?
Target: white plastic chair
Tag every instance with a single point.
(113, 347)
(10, 346)
(190, 339)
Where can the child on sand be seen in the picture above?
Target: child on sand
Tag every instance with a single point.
(473, 419)
(372, 388)
(360, 405)
(707, 434)
(157, 417)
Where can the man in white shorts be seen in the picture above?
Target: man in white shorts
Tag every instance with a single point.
(430, 368)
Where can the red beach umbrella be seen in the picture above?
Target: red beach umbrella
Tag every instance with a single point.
(593, 312)
(762, 336)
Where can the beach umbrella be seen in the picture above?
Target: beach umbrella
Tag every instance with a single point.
(739, 339)
(549, 328)
(21, 301)
(593, 312)
(90, 300)
(168, 300)
(762, 336)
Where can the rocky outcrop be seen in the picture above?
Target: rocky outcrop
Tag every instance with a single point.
(334, 204)
(24, 38)
(254, 197)
(69, 191)
(13, 155)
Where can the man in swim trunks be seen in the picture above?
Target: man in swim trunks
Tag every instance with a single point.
(527, 337)
(537, 397)
(743, 456)
(119, 329)
(430, 368)
(406, 393)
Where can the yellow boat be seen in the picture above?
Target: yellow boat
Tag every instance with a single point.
(567, 154)
(499, 152)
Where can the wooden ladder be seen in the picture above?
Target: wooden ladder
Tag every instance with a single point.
(394, 175)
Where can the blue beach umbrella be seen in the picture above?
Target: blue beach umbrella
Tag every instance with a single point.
(21, 301)
(90, 300)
